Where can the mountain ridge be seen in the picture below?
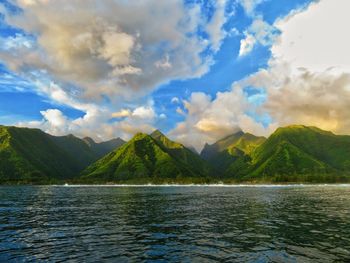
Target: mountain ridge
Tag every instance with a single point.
(294, 153)
(30, 155)
(153, 157)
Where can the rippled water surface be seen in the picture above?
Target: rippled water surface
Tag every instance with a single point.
(176, 224)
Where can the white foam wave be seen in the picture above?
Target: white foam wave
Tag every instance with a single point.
(206, 185)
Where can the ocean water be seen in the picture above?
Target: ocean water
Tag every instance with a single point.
(175, 224)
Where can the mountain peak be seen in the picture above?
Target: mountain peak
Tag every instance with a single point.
(70, 135)
(153, 159)
(157, 134)
(115, 140)
(300, 128)
(139, 136)
(240, 132)
(243, 141)
(89, 141)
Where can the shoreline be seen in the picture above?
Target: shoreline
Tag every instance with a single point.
(196, 185)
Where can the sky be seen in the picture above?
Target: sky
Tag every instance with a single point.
(196, 70)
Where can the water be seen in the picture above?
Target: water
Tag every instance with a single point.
(187, 224)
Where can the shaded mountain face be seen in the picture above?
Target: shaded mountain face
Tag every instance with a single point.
(32, 156)
(103, 148)
(147, 158)
(210, 151)
(182, 153)
(228, 150)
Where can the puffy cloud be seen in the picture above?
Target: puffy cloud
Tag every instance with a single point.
(122, 113)
(162, 116)
(308, 78)
(144, 113)
(214, 27)
(117, 49)
(101, 57)
(56, 122)
(208, 120)
(180, 111)
(247, 45)
(54, 117)
(259, 32)
(250, 5)
(304, 97)
(97, 123)
(315, 38)
(175, 100)
(164, 63)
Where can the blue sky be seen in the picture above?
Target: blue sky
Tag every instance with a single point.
(90, 71)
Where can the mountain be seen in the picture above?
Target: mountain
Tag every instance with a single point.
(182, 153)
(103, 148)
(148, 158)
(297, 153)
(192, 149)
(226, 151)
(294, 153)
(33, 156)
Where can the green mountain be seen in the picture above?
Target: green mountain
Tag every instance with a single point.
(32, 156)
(182, 153)
(148, 158)
(228, 150)
(291, 154)
(102, 148)
(296, 153)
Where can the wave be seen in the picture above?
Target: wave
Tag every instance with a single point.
(206, 185)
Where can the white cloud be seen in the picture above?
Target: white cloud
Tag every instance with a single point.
(175, 100)
(122, 113)
(117, 49)
(97, 121)
(55, 117)
(144, 113)
(250, 5)
(215, 26)
(247, 45)
(103, 58)
(96, 124)
(316, 38)
(180, 111)
(259, 32)
(164, 63)
(208, 120)
(308, 78)
(306, 82)
(15, 42)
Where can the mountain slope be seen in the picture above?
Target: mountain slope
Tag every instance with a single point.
(103, 148)
(298, 150)
(228, 150)
(29, 155)
(144, 159)
(32, 156)
(182, 154)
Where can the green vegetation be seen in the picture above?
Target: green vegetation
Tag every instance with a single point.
(231, 150)
(32, 156)
(296, 153)
(293, 154)
(148, 158)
